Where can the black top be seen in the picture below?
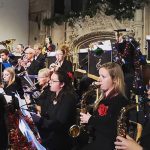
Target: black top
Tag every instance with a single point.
(3, 124)
(66, 66)
(145, 138)
(34, 67)
(41, 60)
(13, 88)
(56, 120)
(104, 123)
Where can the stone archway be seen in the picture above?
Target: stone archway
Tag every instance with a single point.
(85, 40)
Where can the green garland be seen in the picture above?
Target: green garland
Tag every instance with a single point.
(121, 9)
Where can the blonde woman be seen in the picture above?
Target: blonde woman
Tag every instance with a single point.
(107, 108)
(12, 84)
(43, 81)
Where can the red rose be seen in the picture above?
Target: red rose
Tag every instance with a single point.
(102, 110)
(70, 75)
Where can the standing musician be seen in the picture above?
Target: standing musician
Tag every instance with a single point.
(49, 46)
(106, 108)
(58, 114)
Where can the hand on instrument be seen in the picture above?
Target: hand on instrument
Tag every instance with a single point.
(84, 118)
(126, 144)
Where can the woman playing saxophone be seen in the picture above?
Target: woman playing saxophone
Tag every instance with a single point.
(106, 108)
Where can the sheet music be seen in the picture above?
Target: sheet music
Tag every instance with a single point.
(23, 126)
(8, 98)
(26, 131)
(23, 106)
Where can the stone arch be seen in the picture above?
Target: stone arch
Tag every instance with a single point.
(85, 40)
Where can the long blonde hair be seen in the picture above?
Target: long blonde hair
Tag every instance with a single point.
(117, 76)
(11, 71)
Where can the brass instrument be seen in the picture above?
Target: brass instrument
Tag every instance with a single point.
(121, 122)
(8, 44)
(76, 129)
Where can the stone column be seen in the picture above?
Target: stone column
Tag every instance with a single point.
(146, 25)
(138, 26)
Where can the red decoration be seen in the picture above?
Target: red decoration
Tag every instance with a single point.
(102, 110)
(70, 75)
(17, 140)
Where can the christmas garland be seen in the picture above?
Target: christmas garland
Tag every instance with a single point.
(121, 9)
(17, 140)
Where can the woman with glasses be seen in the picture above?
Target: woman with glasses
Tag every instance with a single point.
(59, 113)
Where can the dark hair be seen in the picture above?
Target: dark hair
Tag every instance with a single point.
(50, 39)
(5, 51)
(64, 78)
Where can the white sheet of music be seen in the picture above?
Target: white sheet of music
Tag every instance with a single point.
(26, 131)
(8, 98)
(23, 106)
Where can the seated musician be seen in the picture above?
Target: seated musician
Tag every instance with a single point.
(7, 61)
(43, 81)
(12, 84)
(33, 66)
(39, 56)
(58, 114)
(61, 62)
(106, 108)
(144, 142)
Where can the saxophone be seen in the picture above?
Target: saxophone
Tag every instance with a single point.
(122, 122)
(76, 129)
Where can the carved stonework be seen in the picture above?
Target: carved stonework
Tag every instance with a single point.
(99, 23)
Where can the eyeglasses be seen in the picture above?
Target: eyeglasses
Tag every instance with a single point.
(53, 81)
(28, 53)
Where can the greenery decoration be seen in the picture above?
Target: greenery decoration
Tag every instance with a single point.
(121, 9)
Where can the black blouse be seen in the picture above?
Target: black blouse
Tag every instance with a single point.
(56, 120)
(105, 124)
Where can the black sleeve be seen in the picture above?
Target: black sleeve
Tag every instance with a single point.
(3, 123)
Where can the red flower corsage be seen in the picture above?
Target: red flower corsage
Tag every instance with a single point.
(102, 110)
(70, 75)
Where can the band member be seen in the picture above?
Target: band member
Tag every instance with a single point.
(59, 113)
(106, 108)
(33, 66)
(3, 124)
(128, 143)
(6, 60)
(12, 84)
(49, 46)
(39, 56)
(43, 80)
(61, 62)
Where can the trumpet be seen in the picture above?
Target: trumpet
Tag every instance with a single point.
(76, 129)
